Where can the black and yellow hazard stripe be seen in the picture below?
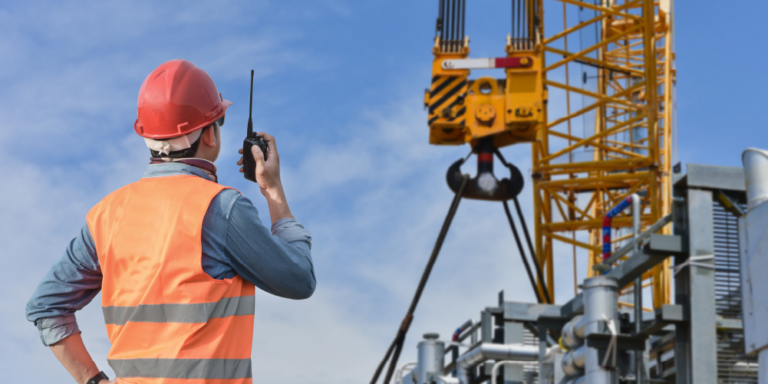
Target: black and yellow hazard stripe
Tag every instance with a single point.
(444, 93)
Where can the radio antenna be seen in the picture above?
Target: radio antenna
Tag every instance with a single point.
(250, 110)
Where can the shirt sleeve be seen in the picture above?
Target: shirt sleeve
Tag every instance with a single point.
(72, 282)
(277, 261)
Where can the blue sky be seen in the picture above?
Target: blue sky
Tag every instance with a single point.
(340, 85)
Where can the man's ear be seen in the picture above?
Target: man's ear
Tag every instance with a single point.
(209, 136)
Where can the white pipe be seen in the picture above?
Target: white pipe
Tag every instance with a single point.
(762, 373)
(573, 332)
(431, 358)
(638, 291)
(488, 351)
(496, 367)
(755, 175)
(573, 362)
(446, 380)
(399, 372)
(600, 303)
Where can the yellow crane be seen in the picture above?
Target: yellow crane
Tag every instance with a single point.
(586, 159)
(609, 137)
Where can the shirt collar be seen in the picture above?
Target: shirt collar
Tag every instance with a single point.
(181, 167)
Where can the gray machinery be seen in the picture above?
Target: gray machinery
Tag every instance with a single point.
(719, 243)
(754, 257)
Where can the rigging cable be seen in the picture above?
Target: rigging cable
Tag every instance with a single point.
(522, 253)
(397, 344)
(527, 235)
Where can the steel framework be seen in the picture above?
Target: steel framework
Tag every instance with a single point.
(627, 121)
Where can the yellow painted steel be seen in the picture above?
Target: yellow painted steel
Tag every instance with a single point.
(445, 99)
(626, 120)
(464, 111)
(629, 143)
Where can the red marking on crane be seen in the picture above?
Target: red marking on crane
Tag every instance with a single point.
(485, 157)
(513, 62)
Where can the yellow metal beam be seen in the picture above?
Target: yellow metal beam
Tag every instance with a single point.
(591, 140)
(580, 55)
(607, 10)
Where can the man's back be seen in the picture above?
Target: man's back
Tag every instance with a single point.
(176, 254)
(148, 241)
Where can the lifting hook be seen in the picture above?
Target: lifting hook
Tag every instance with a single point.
(485, 185)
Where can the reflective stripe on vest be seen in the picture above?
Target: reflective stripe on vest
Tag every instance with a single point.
(168, 321)
(180, 313)
(183, 368)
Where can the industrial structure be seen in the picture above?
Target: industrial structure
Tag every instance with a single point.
(594, 97)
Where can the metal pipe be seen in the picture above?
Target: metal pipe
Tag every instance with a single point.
(755, 175)
(600, 303)
(636, 213)
(624, 204)
(762, 360)
(399, 373)
(488, 351)
(472, 331)
(446, 380)
(574, 360)
(461, 329)
(431, 362)
(573, 332)
(495, 369)
(639, 239)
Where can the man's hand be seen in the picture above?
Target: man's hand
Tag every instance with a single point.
(268, 178)
(72, 354)
(267, 172)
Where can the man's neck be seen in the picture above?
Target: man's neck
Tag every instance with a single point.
(206, 165)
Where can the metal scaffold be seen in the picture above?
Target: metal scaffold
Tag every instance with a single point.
(626, 121)
(608, 135)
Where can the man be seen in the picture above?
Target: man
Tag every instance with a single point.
(175, 254)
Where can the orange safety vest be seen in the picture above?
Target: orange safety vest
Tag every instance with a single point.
(169, 322)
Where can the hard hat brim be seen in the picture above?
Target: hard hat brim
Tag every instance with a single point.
(139, 129)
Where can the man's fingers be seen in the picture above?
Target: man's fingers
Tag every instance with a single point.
(240, 151)
(271, 144)
(257, 155)
(240, 162)
(241, 170)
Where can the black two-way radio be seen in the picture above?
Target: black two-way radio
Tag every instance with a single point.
(251, 139)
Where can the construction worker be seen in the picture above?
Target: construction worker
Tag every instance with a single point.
(175, 255)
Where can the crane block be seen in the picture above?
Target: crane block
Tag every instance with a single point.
(464, 111)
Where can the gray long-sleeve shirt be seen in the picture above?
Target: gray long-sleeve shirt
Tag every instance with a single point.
(234, 242)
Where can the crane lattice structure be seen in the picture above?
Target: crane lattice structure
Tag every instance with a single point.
(625, 123)
(624, 147)
(628, 148)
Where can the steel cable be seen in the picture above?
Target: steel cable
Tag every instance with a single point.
(397, 343)
(522, 252)
(539, 274)
(533, 252)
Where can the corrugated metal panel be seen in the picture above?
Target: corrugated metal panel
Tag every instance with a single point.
(733, 365)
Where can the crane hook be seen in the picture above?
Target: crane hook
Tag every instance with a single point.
(485, 185)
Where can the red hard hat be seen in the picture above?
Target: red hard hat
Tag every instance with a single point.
(177, 98)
